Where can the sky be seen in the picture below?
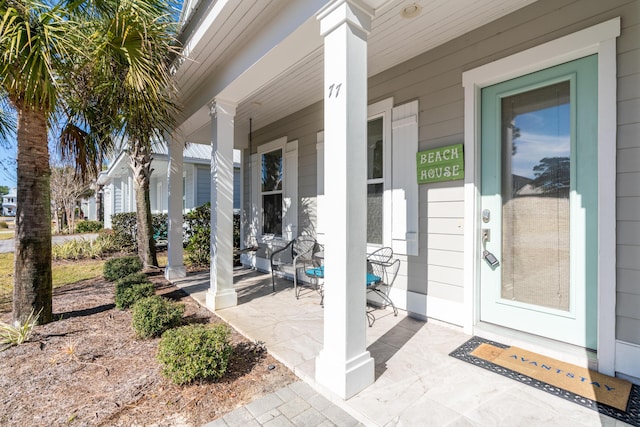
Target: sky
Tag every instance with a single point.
(8, 148)
(543, 133)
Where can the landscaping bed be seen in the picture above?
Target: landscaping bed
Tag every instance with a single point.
(88, 368)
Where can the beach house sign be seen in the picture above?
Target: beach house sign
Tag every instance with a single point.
(440, 164)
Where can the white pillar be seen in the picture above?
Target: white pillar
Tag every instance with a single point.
(344, 365)
(175, 265)
(221, 292)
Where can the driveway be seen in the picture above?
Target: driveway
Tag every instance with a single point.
(8, 245)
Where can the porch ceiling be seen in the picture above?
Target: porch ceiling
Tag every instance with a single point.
(393, 40)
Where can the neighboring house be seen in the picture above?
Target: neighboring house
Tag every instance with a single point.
(330, 103)
(9, 202)
(118, 186)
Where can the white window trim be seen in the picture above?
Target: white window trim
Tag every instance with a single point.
(599, 39)
(383, 109)
(278, 144)
(289, 189)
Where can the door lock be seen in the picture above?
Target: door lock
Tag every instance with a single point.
(486, 216)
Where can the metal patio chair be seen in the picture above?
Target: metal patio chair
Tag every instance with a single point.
(292, 257)
(382, 270)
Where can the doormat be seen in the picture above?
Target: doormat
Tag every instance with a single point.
(614, 397)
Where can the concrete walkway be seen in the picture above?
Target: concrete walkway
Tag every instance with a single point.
(417, 382)
(8, 245)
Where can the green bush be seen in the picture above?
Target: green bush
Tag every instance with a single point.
(117, 268)
(198, 222)
(132, 288)
(127, 295)
(195, 352)
(3, 224)
(153, 315)
(124, 229)
(87, 226)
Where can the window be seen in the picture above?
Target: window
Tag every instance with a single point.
(274, 190)
(271, 191)
(379, 174)
(375, 181)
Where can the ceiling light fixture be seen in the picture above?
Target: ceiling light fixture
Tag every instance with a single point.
(411, 11)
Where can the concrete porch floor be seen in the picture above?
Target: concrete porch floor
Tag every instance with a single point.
(417, 382)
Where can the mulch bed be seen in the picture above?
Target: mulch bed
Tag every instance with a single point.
(87, 368)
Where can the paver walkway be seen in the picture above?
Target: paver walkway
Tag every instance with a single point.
(294, 405)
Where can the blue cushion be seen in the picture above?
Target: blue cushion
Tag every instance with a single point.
(315, 272)
(319, 272)
(372, 279)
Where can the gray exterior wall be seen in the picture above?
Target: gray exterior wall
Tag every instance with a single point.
(435, 79)
(203, 184)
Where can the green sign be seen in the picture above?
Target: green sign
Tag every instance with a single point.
(440, 164)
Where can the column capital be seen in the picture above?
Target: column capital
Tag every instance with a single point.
(355, 13)
(222, 106)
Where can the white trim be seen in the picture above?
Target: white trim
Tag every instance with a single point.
(599, 39)
(321, 210)
(423, 306)
(384, 109)
(627, 356)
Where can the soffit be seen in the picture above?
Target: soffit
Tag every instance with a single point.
(393, 40)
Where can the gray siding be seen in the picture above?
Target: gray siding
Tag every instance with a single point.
(302, 126)
(435, 79)
(203, 185)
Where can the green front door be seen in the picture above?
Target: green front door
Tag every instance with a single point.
(539, 203)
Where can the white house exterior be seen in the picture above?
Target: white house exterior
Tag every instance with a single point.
(118, 186)
(9, 202)
(522, 224)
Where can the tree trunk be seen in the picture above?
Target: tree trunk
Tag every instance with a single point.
(99, 214)
(140, 159)
(32, 283)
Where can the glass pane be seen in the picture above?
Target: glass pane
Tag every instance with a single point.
(374, 149)
(272, 171)
(272, 214)
(536, 147)
(374, 213)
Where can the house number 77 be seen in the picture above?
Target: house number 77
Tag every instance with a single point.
(337, 90)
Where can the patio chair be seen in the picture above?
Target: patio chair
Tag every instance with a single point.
(382, 270)
(314, 270)
(292, 257)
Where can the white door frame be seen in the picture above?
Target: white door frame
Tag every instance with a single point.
(599, 39)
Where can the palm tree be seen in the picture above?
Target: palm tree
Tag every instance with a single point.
(35, 41)
(141, 38)
(127, 90)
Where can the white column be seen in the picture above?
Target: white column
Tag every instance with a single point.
(221, 292)
(344, 365)
(175, 265)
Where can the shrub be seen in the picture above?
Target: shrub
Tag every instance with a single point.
(128, 295)
(87, 226)
(124, 229)
(132, 288)
(153, 315)
(11, 335)
(117, 268)
(81, 248)
(195, 352)
(3, 224)
(199, 234)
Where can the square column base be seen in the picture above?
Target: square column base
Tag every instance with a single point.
(346, 379)
(221, 299)
(176, 272)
